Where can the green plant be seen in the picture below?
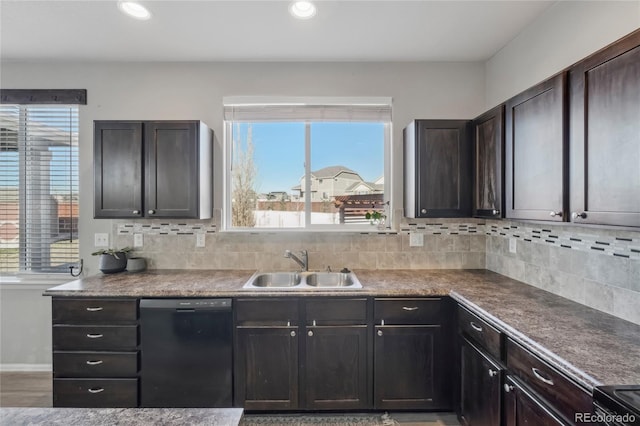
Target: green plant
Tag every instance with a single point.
(375, 216)
(112, 252)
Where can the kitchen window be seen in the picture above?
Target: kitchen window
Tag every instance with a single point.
(310, 164)
(38, 188)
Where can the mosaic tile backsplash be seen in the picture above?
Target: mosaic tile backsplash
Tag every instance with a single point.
(596, 267)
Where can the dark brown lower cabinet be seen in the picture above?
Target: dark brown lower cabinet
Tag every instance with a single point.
(266, 370)
(410, 368)
(521, 407)
(480, 387)
(336, 368)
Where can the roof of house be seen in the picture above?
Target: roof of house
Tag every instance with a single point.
(372, 186)
(331, 171)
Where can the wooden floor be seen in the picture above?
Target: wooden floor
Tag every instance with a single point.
(20, 389)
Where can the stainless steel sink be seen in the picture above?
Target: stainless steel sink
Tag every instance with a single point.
(330, 279)
(275, 279)
(290, 281)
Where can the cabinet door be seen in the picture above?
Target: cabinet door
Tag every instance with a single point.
(480, 387)
(536, 153)
(522, 408)
(336, 366)
(605, 136)
(171, 169)
(488, 133)
(410, 368)
(266, 368)
(437, 169)
(117, 150)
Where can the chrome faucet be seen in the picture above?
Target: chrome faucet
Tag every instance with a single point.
(304, 262)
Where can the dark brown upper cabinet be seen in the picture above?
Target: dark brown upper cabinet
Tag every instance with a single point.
(153, 169)
(488, 175)
(536, 152)
(605, 135)
(437, 169)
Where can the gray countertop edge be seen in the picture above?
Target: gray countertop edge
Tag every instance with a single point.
(554, 360)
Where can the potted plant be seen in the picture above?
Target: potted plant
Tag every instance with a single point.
(112, 260)
(376, 217)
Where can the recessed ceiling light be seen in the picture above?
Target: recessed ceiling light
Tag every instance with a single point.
(302, 9)
(135, 10)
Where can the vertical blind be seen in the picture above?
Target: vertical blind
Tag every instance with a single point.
(38, 188)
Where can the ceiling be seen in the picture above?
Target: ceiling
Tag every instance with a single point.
(238, 30)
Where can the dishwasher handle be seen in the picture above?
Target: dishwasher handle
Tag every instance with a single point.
(186, 305)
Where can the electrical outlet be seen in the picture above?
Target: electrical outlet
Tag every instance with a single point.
(416, 239)
(513, 245)
(200, 240)
(138, 240)
(101, 240)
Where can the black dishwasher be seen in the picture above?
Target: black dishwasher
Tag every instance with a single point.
(186, 353)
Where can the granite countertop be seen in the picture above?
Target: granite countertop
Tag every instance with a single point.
(120, 416)
(590, 346)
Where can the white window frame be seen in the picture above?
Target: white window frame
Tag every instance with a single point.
(307, 101)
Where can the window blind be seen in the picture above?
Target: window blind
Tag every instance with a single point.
(248, 109)
(38, 188)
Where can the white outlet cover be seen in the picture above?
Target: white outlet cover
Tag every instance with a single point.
(138, 240)
(513, 244)
(200, 240)
(101, 240)
(416, 239)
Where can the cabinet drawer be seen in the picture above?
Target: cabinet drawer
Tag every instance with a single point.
(95, 337)
(95, 393)
(95, 364)
(562, 394)
(94, 311)
(409, 311)
(336, 311)
(267, 310)
(480, 332)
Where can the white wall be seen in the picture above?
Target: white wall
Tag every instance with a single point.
(564, 34)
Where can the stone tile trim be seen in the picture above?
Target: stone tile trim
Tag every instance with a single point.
(627, 247)
(165, 228)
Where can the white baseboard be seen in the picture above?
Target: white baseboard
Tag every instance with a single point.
(26, 367)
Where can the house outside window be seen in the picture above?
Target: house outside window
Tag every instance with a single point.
(327, 157)
(38, 188)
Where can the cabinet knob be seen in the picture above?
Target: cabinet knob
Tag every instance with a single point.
(581, 215)
(554, 214)
(379, 332)
(136, 212)
(293, 334)
(151, 212)
(508, 387)
(310, 333)
(423, 211)
(492, 373)
(495, 212)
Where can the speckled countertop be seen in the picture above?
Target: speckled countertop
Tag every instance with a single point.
(592, 347)
(120, 416)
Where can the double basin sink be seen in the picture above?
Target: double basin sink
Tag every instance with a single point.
(303, 281)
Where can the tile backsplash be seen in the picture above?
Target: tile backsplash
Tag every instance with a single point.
(597, 267)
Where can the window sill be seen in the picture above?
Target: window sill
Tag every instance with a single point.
(33, 281)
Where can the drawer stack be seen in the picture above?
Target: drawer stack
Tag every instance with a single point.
(95, 352)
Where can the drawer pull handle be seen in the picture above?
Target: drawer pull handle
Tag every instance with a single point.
(98, 362)
(476, 327)
(540, 377)
(94, 336)
(492, 373)
(96, 309)
(406, 308)
(95, 390)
